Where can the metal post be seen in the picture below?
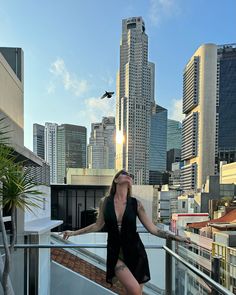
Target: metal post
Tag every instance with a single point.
(33, 266)
(215, 273)
(168, 268)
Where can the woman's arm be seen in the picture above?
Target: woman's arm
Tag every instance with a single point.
(151, 228)
(95, 227)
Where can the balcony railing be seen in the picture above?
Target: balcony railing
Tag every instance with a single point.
(181, 277)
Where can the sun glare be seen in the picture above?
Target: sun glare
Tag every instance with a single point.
(119, 137)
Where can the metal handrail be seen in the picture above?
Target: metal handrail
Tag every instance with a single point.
(202, 275)
(43, 246)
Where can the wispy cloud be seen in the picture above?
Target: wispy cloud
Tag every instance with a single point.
(160, 9)
(51, 88)
(70, 82)
(108, 80)
(176, 110)
(94, 109)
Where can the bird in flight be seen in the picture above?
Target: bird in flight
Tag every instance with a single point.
(107, 94)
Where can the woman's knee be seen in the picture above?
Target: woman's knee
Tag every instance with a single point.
(134, 290)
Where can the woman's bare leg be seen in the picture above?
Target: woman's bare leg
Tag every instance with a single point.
(127, 279)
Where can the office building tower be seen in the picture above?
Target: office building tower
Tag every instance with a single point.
(173, 156)
(50, 143)
(226, 103)
(38, 140)
(71, 149)
(101, 148)
(199, 125)
(135, 94)
(158, 141)
(174, 134)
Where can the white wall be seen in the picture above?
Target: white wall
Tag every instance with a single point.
(45, 210)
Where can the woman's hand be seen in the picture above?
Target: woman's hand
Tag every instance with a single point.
(67, 234)
(183, 239)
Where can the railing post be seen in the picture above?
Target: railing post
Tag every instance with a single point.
(215, 273)
(168, 268)
(33, 266)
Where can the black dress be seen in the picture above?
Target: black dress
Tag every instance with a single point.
(127, 240)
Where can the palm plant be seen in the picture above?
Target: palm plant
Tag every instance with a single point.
(17, 191)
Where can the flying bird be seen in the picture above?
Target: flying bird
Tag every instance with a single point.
(107, 94)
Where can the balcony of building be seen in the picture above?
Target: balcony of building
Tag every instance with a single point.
(50, 265)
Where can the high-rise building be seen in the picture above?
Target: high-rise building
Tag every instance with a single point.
(158, 140)
(50, 144)
(71, 149)
(63, 146)
(199, 125)
(174, 134)
(101, 148)
(173, 156)
(38, 140)
(135, 94)
(226, 103)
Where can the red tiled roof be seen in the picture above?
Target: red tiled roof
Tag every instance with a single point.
(227, 218)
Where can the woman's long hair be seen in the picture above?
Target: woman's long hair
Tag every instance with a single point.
(112, 190)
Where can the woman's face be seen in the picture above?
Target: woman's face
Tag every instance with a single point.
(125, 177)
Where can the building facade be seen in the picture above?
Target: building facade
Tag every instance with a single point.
(12, 92)
(101, 148)
(50, 144)
(71, 149)
(199, 125)
(35, 225)
(158, 141)
(174, 134)
(135, 94)
(38, 140)
(226, 103)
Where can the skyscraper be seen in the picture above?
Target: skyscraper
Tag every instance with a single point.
(101, 148)
(50, 143)
(174, 134)
(199, 125)
(135, 94)
(226, 103)
(158, 140)
(38, 140)
(71, 149)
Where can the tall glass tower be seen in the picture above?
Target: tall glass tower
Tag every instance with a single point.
(226, 103)
(71, 149)
(158, 141)
(135, 95)
(38, 140)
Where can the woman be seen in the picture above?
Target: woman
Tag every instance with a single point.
(126, 255)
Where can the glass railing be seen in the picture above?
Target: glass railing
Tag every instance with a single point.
(47, 264)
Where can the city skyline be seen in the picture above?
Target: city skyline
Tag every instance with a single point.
(66, 71)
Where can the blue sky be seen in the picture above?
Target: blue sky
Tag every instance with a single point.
(71, 51)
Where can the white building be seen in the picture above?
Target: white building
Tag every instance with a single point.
(51, 149)
(101, 148)
(135, 94)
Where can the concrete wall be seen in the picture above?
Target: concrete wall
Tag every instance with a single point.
(228, 173)
(90, 176)
(45, 210)
(12, 101)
